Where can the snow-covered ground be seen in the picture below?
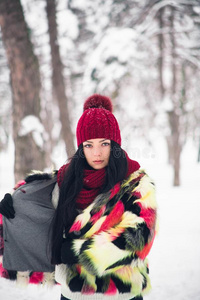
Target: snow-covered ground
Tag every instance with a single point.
(175, 256)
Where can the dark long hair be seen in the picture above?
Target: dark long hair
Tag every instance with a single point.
(71, 186)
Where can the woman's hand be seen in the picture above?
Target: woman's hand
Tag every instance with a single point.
(6, 207)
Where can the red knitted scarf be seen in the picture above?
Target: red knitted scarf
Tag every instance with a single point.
(93, 181)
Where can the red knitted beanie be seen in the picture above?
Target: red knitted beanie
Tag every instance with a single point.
(97, 121)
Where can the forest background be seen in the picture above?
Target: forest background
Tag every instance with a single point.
(143, 54)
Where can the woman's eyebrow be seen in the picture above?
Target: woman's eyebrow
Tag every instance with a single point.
(99, 141)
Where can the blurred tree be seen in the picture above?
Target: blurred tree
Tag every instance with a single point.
(163, 39)
(5, 99)
(58, 80)
(94, 19)
(25, 84)
(179, 52)
(144, 52)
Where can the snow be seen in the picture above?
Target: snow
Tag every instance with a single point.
(114, 46)
(68, 24)
(167, 104)
(196, 9)
(31, 124)
(175, 257)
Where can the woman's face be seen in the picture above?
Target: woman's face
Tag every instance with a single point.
(97, 152)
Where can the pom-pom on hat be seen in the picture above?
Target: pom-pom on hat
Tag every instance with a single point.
(97, 121)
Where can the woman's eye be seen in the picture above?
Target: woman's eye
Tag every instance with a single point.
(106, 144)
(87, 146)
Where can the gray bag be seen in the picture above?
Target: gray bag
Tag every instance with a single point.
(27, 237)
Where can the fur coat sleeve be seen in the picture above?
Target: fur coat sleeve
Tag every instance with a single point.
(117, 229)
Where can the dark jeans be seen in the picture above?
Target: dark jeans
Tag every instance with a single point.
(135, 298)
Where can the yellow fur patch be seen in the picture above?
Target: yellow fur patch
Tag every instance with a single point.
(136, 281)
(83, 218)
(77, 244)
(125, 274)
(130, 220)
(95, 227)
(89, 278)
(104, 254)
(147, 191)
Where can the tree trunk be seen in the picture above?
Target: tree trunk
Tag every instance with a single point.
(58, 79)
(174, 120)
(25, 84)
(175, 146)
(161, 52)
(161, 59)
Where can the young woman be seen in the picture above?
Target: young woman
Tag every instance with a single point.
(105, 218)
(104, 224)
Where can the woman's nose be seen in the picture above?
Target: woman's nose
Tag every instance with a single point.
(97, 151)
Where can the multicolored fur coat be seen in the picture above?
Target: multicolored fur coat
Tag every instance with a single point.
(106, 247)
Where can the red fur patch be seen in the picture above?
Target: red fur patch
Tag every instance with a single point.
(75, 227)
(3, 272)
(112, 290)
(19, 183)
(97, 216)
(115, 190)
(137, 194)
(149, 216)
(36, 277)
(87, 289)
(78, 269)
(145, 251)
(113, 218)
(137, 178)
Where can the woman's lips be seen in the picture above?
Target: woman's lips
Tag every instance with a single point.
(97, 162)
